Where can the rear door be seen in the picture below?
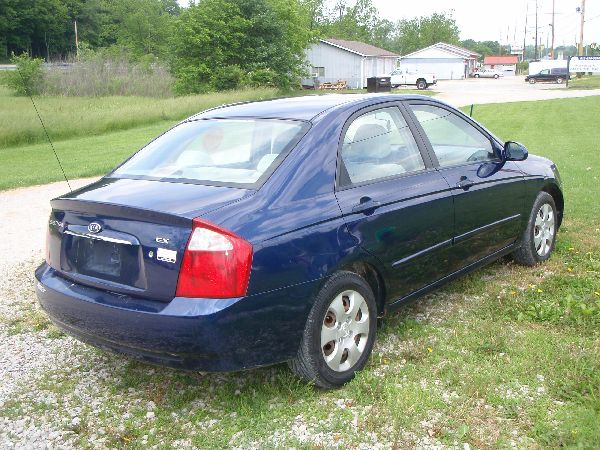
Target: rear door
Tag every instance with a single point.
(488, 192)
(397, 206)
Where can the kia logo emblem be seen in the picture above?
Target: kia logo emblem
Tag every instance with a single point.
(94, 227)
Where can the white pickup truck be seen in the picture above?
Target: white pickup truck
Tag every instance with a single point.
(401, 77)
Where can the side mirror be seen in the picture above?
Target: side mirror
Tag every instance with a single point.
(513, 151)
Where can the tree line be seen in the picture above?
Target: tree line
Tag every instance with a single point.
(213, 44)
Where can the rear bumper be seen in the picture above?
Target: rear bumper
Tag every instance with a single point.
(195, 334)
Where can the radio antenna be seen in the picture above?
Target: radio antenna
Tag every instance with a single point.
(45, 130)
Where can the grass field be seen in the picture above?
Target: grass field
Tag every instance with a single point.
(585, 82)
(505, 357)
(72, 117)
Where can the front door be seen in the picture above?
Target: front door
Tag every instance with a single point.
(397, 206)
(488, 192)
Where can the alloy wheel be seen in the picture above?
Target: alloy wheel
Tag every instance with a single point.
(543, 231)
(345, 330)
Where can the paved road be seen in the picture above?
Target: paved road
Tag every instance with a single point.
(502, 90)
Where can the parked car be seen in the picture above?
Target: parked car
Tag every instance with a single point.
(280, 230)
(556, 75)
(488, 73)
(404, 77)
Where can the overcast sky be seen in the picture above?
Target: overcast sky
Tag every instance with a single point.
(502, 20)
(494, 19)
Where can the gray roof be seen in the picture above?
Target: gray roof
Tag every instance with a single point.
(360, 48)
(453, 49)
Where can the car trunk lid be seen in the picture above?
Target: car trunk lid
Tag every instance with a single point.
(129, 236)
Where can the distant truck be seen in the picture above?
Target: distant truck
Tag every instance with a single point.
(538, 66)
(402, 77)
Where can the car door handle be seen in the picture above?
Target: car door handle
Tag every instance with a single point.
(464, 183)
(366, 205)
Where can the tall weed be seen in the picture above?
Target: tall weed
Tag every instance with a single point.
(100, 77)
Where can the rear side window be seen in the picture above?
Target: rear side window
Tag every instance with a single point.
(216, 151)
(454, 140)
(379, 144)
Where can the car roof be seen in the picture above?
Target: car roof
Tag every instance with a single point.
(304, 107)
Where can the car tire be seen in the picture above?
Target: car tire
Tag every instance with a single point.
(560, 80)
(496, 76)
(539, 237)
(344, 310)
(421, 84)
(476, 75)
(532, 81)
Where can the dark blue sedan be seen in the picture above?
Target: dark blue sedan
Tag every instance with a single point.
(281, 230)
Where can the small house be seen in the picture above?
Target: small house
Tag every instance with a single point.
(506, 64)
(333, 60)
(445, 61)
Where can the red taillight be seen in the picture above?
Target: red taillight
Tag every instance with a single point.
(216, 263)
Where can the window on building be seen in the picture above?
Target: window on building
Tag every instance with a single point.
(318, 71)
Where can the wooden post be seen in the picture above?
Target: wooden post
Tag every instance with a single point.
(552, 49)
(580, 52)
(76, 41)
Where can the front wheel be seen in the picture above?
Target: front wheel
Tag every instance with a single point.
(476, 75)
(339, 333)
(532, 81)
(496, 76)
(421, 84)
(539, 237)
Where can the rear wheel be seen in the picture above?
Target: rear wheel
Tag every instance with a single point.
(539, 237)
(476, 75)
(560, 80)
(421, 84)
(339, 333)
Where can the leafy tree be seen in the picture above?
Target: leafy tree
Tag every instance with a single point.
(420, 32)
(485, 48)
(250, 34)
(28, 78)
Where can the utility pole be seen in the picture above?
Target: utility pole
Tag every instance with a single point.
(552, 49)
(581, 29)
(76, 41)
(535, 53)
(525, 32)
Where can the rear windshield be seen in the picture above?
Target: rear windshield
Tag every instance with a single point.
(236, 152)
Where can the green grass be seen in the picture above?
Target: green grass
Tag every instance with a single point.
(70, 117)
(562, 130)
(80, 157)
(507, 356)
(585, 82)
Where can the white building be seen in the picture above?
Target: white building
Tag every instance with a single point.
(506, 64)
(446, 61)
(331, 60)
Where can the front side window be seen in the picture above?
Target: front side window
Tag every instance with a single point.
(222, 151)
(379, 144)
(454, 140)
